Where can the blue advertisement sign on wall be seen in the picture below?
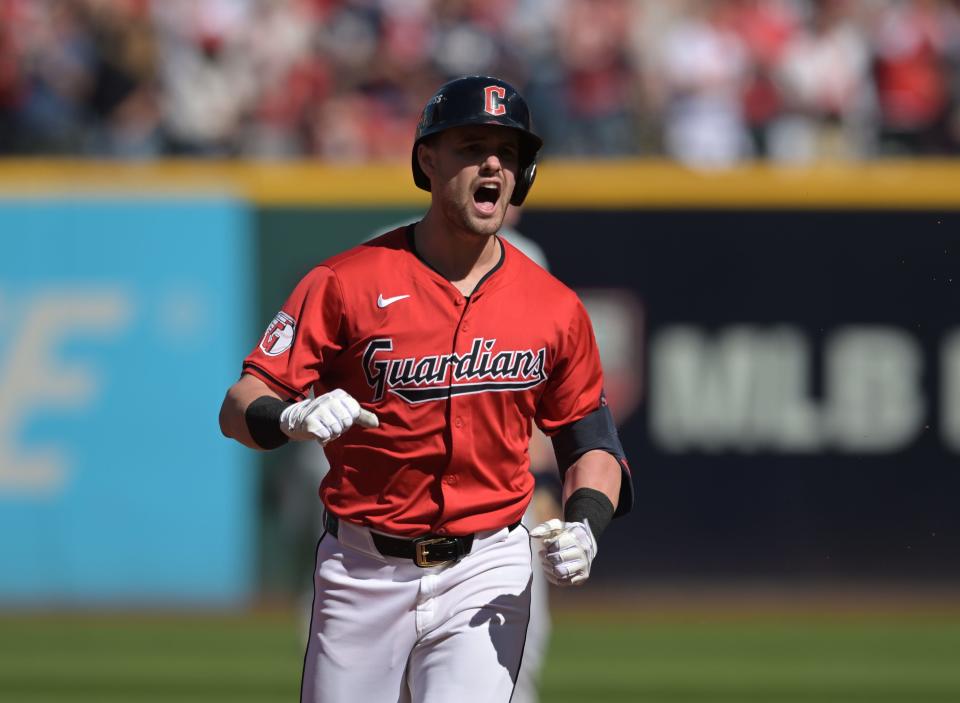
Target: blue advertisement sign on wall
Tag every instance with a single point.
(121, 324)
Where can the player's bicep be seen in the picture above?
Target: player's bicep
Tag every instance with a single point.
(575, 381)
(595, 432)
(301, 338)
(572, 409)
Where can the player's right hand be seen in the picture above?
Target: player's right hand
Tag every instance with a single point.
(325, 418)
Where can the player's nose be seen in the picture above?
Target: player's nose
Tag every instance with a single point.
(491, 165)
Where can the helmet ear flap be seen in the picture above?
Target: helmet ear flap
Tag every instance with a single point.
(524, 182)
(420, 178)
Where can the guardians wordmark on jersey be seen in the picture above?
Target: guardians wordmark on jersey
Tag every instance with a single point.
(456, 382)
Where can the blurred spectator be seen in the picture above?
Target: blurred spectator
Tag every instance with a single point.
(123, 102)
(291, 77)
(701, 79)
(592, 43)
(823, 76)
(11, 80)
(55, 47)
(766, 27)
(707, 82)
(915, 43)
(206, 73)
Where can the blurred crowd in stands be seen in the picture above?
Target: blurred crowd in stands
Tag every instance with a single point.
(706, 82)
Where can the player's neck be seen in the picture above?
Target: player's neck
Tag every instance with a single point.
(462, 258)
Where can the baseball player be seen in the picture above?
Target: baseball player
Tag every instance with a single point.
(430, 352)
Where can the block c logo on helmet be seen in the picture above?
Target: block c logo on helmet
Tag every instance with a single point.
(493, 94)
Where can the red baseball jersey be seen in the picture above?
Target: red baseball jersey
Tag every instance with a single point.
(456, 382)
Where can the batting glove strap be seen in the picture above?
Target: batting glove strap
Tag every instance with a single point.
(567, 551)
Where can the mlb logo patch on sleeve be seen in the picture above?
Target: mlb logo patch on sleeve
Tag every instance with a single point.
(279, 335)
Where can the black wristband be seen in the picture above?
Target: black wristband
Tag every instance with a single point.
(263, 422)
(591, 504)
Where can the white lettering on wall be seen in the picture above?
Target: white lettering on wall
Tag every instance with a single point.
(875, 402)
(744, 388)
(748, 388)
(950, 391)
(33, 378)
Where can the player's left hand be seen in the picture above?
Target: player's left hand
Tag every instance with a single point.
(567, 551)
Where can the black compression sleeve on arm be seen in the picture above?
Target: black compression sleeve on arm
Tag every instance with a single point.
(263, 421)
(594, 431)
(591, 504)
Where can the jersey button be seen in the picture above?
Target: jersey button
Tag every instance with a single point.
(459, 301)
(465, 327)
(450, 480)
(458, 422)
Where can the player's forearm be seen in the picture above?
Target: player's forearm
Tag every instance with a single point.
(591, 491)
(233, 422)
(596, 469)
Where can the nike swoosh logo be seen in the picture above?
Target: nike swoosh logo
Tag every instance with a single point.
(384, 302)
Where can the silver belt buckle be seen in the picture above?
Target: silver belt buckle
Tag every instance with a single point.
(423, 553)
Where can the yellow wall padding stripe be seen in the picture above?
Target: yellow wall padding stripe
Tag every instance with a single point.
(560, 184)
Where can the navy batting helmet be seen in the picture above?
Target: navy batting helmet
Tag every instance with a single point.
(478, 100)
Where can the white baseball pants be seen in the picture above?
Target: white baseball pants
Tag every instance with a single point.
(386, 630)
(538, 631)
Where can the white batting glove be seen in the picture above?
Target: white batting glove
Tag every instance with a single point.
(567, 551)
(325, 418)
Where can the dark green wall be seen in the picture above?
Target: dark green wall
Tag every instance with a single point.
(290, 242)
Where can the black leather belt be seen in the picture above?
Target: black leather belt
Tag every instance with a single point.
(425, 551)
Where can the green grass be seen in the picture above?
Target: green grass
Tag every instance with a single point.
(124, 658)
(593, 658)
(770, 660)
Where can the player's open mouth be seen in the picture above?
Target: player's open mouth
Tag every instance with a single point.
(485, 197)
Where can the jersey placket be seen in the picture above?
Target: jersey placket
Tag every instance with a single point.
(460, 416)
(460, 406)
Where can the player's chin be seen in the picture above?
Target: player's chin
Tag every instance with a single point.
(485, 221)
(484, 226)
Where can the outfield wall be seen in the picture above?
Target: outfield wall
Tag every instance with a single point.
(120, 319)
(782, 353)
